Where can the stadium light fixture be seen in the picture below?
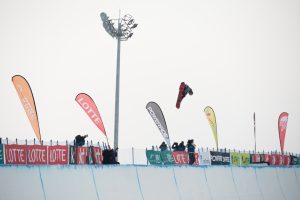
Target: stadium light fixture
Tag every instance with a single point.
(122, 32)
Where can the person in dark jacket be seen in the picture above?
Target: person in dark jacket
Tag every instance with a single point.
(181, 146)
(109, 156)
(163, 146)
(80, 140)
(191, 150)
(175, 146)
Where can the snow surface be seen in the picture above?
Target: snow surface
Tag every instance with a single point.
(148, 182)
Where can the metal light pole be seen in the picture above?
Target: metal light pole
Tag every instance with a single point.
(122, 32)
(254, 120)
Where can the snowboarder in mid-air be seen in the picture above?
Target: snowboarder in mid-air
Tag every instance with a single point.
(184, 89)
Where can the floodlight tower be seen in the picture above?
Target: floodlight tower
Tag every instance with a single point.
(122, 32)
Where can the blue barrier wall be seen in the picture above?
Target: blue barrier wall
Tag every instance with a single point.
(148, 182)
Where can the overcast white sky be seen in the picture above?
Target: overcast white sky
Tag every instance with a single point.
(239, 57)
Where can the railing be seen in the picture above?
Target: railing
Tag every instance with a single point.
(126, 155)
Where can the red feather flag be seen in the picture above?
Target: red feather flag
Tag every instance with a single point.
(282, 125)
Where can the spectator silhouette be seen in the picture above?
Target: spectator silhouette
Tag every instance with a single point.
(181, 146)
(80, 140)
(109, 156)
(163, 146)
(175, 146)
(191, 150)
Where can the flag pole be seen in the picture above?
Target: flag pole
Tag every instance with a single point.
(254, 133)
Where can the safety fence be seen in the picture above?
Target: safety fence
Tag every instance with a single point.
(64, 153)
(30, 152)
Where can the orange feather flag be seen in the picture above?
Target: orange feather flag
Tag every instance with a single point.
(26, 97)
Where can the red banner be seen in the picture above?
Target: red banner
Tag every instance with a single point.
(36, 155)
(196, 159)
(286, 160)
(182, 157)
(272, 159)
(266, 158)
(279, 160)
(15, 154)
(97, 155)
(58, 155)
(89, 106)
(255, 158)
(282, 125)
(81, 155)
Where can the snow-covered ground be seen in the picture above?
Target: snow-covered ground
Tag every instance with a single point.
(148, 182)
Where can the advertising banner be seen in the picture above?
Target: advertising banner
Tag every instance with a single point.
(81, 156)
(210, 114)
(36, 155)
(58, 155)
(97, 155)
(255, 158)
(90, 108)
(1, 154)
(72, 155)
(219, 158)
(272, 159)
(245, 159)
(89, 157)
(181, 157)
(153, 157)
(226, 158)
(286, 160)
(282, 125)
(196, 159)
(15, 154)
(278, 160)
(26, 97)
(294, 160)
(240, 159)
(159, 119)
(235, 158)
(265, 158)
(167, 157)
(216, 158)
(204, 158)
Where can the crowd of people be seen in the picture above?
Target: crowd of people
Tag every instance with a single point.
(181, 147)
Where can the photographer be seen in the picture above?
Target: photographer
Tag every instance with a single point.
(80, 140)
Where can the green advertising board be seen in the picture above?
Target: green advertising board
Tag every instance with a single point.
(1, 154)
(167, 157)
(240, 159)
(235, 158)
(245, 159)
(298, 160)
(153, 157)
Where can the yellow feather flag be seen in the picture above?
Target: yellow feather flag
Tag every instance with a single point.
(210, 114)
(27, 100)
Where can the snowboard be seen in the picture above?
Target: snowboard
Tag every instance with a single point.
(180, 95)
